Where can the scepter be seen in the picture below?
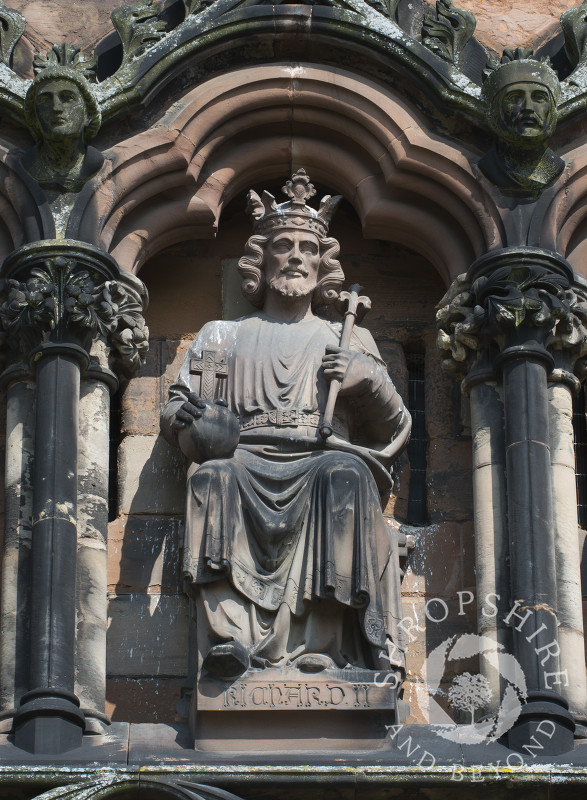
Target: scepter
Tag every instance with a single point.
(353, 307)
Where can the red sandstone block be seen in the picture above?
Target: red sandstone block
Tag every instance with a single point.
(142, 699)
(143, 555)
(147, 635)
(442, 561)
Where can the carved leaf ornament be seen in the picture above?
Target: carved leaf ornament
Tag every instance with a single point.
(131, 341)
(508, 299)
(195, 6)
(527, 294)
(574, 25)
(447, 33)
(67, 55)
(458, 320)
(28, 304)
(138, 27)
(60, 296)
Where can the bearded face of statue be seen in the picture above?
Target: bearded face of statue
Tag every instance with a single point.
(524, 114)
(60, 109)
(292, 261)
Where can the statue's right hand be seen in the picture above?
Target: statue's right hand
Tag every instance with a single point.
(206, 430)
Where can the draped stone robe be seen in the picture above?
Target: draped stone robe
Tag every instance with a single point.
(286, 548)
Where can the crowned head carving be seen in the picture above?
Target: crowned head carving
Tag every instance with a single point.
(268, 216)
(59, 102)
(304, 225)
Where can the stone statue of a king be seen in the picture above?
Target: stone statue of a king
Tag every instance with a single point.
(287, 554)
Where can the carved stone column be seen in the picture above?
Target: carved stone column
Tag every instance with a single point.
(117, 354)
(471, 359)
(62, 298)
(513, 309)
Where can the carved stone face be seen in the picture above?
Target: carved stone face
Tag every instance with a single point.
(525, 113)
(292, 261)
(61, 109)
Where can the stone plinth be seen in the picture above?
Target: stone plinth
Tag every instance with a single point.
(284, 709)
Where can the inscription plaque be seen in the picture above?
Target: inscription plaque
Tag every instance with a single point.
(285, 691)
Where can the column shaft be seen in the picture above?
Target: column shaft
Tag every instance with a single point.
(93, 465)
(490, 515)
(49, 719)
(16, 554)
(572, 685)
(55, 523)
(532, 556)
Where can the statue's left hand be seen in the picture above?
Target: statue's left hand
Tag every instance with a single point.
(354, 370)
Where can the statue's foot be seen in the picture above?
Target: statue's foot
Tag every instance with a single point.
(313, 662)
(226, 661)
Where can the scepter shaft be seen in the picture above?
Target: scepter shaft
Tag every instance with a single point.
(353, 305)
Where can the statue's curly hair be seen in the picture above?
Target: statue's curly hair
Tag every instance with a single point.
(330, 274)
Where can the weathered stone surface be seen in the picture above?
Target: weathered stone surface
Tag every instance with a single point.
(16, 557)
(427, 624)
(146, 394)
(151, 476)
(143, 555)
(441, 563)
(295, 733)
(90, 667)
(449, 492)
(143, 699)
(175, 312)
(562, 451)
(564, 496)
(93, 458)
(511, 23)
(52, 21)
(147, 635)
(442, 394)
(500, 23)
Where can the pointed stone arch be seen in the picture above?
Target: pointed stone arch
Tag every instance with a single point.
(562, 219)
(256, 124)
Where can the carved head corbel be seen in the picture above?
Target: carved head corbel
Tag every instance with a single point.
(62, 115)
(521, 96)
(64, 68)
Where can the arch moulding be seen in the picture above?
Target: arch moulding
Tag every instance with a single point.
(240, 129)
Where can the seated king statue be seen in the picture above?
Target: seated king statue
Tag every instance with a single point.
(287, 555)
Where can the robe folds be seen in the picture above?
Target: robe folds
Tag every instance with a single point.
(291, 524)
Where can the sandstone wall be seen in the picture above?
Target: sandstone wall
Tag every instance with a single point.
(515, 23)
(500, 23)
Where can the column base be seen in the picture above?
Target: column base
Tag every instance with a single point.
(545, 726)
(48, 722)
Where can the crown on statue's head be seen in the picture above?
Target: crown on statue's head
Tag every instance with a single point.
(269, 216)
(68, 59)
(518, 66)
